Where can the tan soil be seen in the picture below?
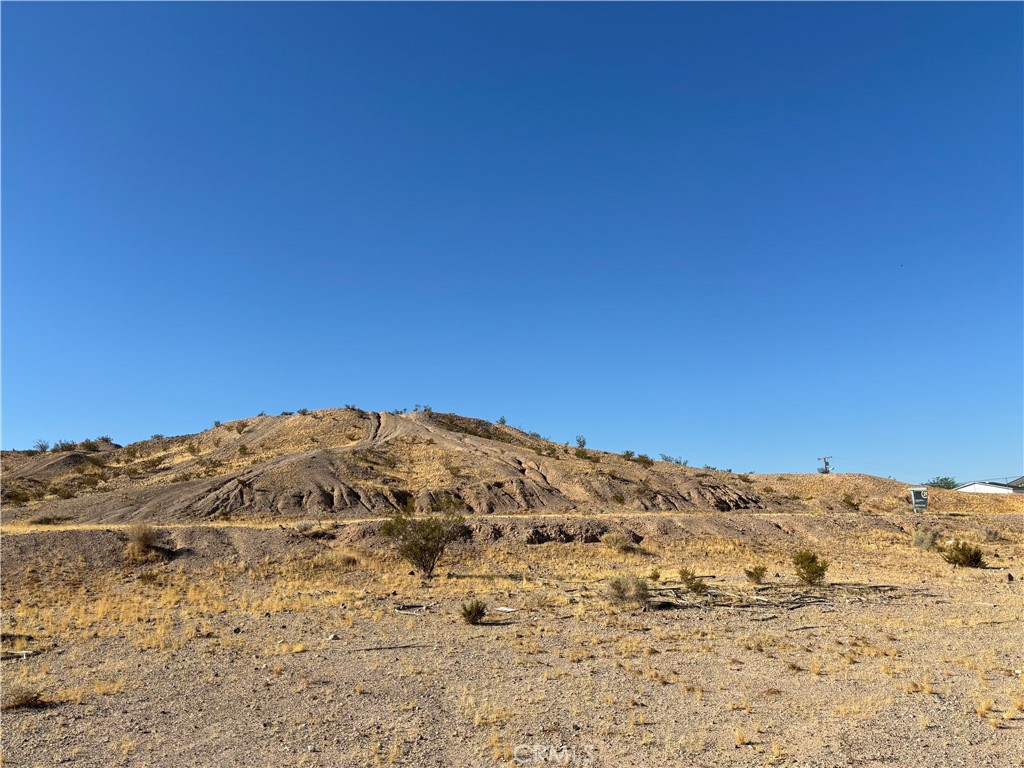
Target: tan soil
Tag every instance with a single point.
(254, 644)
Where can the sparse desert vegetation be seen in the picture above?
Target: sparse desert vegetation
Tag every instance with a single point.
(621, 633)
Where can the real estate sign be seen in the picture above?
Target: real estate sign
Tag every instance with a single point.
(919, 497)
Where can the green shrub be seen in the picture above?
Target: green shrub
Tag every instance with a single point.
(90, 445)
(963, 554)
(421, 541)
(948, 483)
(628, 455)
(925, 538)
(303, 411)
(644, 460)
(809, 569)
(755, 574)
(629, 589)
(675, 460)
(692, 581)
(63, 445)
(473, 612)
(618, 498)
(41, 445)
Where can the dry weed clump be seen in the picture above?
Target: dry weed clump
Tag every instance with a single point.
(629, 589)
(142, 544)
(925, 537)
(21, 697)
(619, 542)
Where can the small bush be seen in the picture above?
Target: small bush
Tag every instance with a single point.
(809, 569)
(243, 451)
(644, 461)
(422, 540)
(21, 697)
(142, 546)
(851, 501)
(90, 445)
(991, 534)
(680, 462)
(287, 413)
(17, 496)
(963, 554)
(41, 445)
(473, 612)
(692, 581)
(63, 445)
(49, 520)
(629, 589)
(619, 542)
(925, 538)
(316, 530)
(303, 411)
(157, 436)
(618, 498)
(948, 483)
(64, 492)
(628, 455)
(755, 574)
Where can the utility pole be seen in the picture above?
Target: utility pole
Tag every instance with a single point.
(826, 470)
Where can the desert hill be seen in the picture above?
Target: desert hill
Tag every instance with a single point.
(348, 463)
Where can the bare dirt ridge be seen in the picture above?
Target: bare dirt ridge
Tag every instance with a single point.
(348, 464)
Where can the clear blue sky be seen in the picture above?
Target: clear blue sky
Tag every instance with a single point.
(746, 235)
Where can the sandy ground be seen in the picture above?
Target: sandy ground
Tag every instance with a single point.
(256, 646)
